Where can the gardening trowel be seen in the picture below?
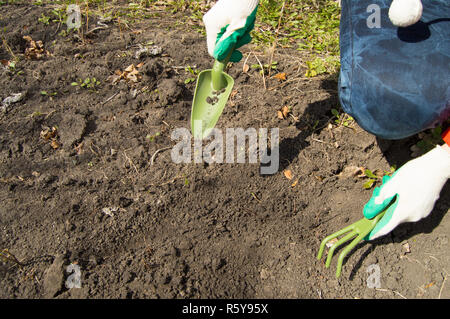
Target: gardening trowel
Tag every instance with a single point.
(210, 97)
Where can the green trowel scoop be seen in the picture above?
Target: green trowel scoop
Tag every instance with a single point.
(211, 95)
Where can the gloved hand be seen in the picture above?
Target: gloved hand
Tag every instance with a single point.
(415, 187)
(228, 25)
(403, 13)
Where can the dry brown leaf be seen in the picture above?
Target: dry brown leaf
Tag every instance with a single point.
(285, 111)
(55, 144)
(134, 72)
(245, 68)
(51, 135)
(288, 174)
(36, 50)
(352, 171)
(280, 115)
(280, 76)
(48, 133)
(430, 285)
(130, 68)
(130, 74)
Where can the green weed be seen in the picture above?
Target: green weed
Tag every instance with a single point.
(342, 119)
(374, 177)
(88, 83)
(193, 73)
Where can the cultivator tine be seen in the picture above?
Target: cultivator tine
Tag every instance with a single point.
(332, 236)
(345, 252)
(337, 244)
(359, 229)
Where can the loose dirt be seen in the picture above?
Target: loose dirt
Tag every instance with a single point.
(100, 190)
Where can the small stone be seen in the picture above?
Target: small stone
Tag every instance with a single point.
(264, 274)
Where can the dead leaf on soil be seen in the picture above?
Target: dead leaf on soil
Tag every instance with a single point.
(245, 68)
(288, 174)
(352, 171)
(51, 135)
(55, 144)
(130, 74)
(35, 50)
(430, 285)
(283, 113)
(280, 115)
(294, 183)
(280, 77)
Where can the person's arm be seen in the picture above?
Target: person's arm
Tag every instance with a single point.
(228, 24)
(413, 190)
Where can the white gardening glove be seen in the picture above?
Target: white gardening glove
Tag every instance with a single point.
(403, 13)
(415, 187)
(228, 25)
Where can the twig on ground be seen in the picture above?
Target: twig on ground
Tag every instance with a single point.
(110, 98)
(8, 49)
(169, 181)
(442, 287)
(254, 196)
(262, 70)
(7, 256)
(152, 160)
(131, 162)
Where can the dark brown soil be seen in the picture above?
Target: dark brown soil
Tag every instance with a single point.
(107, 196)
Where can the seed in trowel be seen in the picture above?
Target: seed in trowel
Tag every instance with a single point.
(217, 93)
(212, 100)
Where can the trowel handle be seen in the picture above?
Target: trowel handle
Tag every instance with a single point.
(218, 80)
